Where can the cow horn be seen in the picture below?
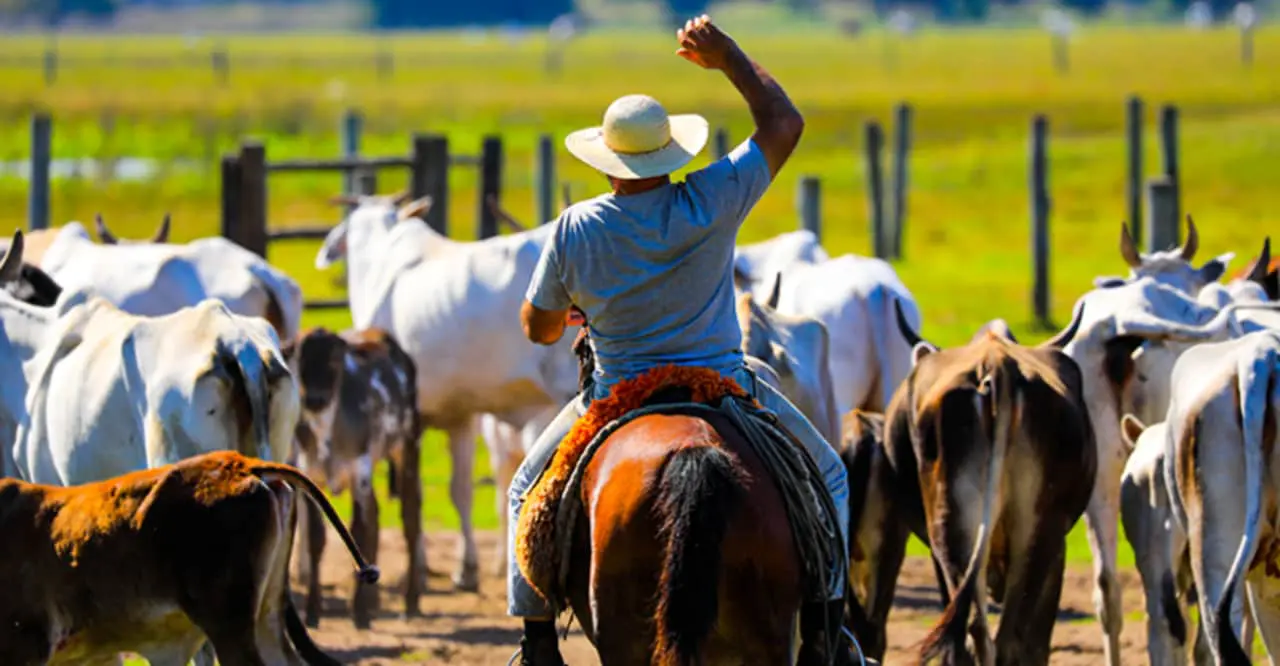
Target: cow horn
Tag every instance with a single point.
(566, 195)
(776, 292)
(503, 216)
(1128, 250)
(1258, 272)
(1193, 240)
(401, 197)
(1067, 334)
(162, 234)
(11, 265)
(912, 337)
(104, 234)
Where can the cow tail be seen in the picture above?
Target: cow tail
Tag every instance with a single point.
(368, 573)
(1254, 386)
(311, 653)
(698, 494)
(949, 634)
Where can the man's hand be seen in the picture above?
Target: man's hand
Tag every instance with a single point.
(704, 44)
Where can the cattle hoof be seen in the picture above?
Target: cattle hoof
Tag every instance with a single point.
(467, 580)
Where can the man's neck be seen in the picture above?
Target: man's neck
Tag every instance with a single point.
(626, 187)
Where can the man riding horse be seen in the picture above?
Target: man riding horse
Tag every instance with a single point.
(648, 269)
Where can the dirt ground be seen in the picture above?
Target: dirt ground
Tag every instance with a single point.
(473, 629)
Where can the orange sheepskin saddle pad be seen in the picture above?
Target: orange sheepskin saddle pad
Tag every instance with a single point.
(537, 552)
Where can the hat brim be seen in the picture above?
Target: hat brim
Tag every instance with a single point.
(688, 138)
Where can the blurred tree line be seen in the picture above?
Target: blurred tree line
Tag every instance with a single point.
(393, 14)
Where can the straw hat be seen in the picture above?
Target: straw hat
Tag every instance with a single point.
(639, 140)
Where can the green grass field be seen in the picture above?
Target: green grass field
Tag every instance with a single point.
(974, 93)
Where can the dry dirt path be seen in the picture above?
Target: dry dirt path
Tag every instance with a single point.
(473, 629)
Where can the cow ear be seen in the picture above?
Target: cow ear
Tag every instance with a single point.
(1130, 430)
(1215, 267)
(921, 350)
(1108, 282)
(334, 247)
(11, 264)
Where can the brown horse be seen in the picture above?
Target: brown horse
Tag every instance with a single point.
(678, 503)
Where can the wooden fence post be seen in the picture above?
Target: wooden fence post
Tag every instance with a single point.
(430, 177)
(874, 143)
(1162, 216)
(50, 65)
(544, 175)
(231, 199)
(721, 142)
(349, 133)
(1169, 153)
(252, 219)
(809, 202)
(1040, 208)
(901, 150)
(221, 65)
(41, 158)
(1133, 132)
(490, 185)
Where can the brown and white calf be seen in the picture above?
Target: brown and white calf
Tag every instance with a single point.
(1001, 445)
(155, 561)
(359, 406)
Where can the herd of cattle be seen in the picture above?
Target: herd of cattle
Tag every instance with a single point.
(1155, 407)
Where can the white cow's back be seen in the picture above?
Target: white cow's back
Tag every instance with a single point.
(853, 297)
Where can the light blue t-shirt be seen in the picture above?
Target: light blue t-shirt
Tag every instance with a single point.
(653, 272)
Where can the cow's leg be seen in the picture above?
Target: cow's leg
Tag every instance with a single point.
(313, 538)
(1147, 529)
(406, 462)
(511, 455)
(1103, 525)
(1033, 586)
(877, 577)
(364, 529)
(1262, 608)
(1215, 511)
(462, 450)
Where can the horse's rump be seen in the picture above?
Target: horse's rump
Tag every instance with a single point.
(539, 541)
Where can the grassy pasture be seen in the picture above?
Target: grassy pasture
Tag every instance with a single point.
(974, 93)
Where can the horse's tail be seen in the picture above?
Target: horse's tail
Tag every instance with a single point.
(700, 490)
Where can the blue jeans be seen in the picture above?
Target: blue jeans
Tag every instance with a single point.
(523, 601)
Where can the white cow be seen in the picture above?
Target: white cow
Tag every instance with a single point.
(110, 393)
(853, 298)
(152, 279)
(1171, 267)
(453, 306)
(1220, 443)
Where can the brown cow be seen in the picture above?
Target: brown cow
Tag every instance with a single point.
(155, 561)
(1001, 446)
(883, 512)
(359, 406)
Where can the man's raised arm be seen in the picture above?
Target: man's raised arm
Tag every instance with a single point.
(778, 122)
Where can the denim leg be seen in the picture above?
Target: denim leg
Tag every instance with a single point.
(522, 600)
(828, 460)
